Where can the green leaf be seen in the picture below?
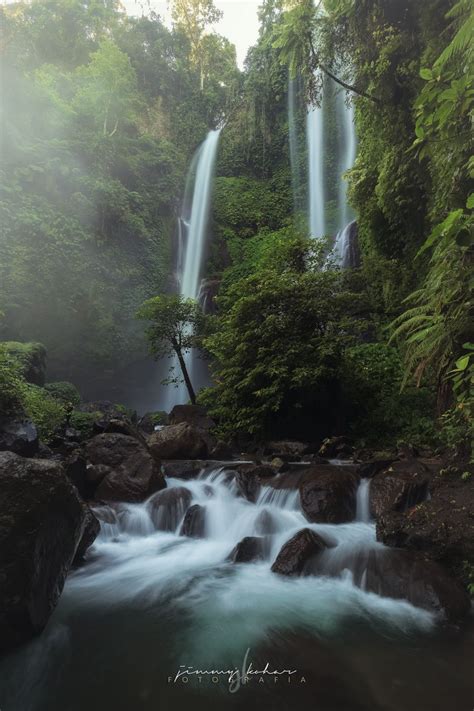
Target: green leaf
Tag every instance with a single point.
(470, 202)
(426, 73)
(463, 362)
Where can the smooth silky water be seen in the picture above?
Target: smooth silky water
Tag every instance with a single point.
(148, 601)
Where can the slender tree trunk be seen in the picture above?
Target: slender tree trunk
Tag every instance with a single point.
(187, 379)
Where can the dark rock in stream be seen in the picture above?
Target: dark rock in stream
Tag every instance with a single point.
(180, 441)
(402, 485)
(297, 552)
(194, 415)
(42, 522)
(336, 448)
(248, 484)
(168, 507)
(410, 576)
(18, 435)
(328, 494)
(249, 549)
(194, 524)
(265, 523)
(125, 467)
(441, 527)
(91, 531)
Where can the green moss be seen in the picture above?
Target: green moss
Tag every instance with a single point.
(84, 421)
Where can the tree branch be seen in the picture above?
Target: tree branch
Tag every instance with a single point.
(342, 83)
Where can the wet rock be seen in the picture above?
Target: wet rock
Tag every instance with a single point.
(146, 424)
(297, 552)
(371, 467)
(248, 549)
(402, 485)
(168, 507)
(221, 451)
(42, 521)
(279, 465)
(75, 466)
(106, 514)
(133, 474)
(441, 527)
(180, 441)
(288, 450)
(194, 415)
(336, 448)
(122, 426)
(424, 583)
(18, 435)
(328, 494)
(183, 469)
(90, 533)
(248, 484)
(265, 523)
(194, 524)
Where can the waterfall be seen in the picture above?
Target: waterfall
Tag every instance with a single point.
(197, 231)
(192, 243)
(293, 143)
(345, 114)
(362, 503)
(316, 198)
(345, 251)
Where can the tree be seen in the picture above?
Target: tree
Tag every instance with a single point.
(174, 324)
(193, 17)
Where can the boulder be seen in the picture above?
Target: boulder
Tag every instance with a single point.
(127, 471)
(371, 467)
(91, 531)
(441, 527)
(42, 521)
(298, 552)
(409, 576)
(194, 524)
(288, 450)
(180, 441)
(248, 549)
(248, 484)
(336, 448)
(18, 435)
(265, 523)
(221, 451)
(328, 494)
(75, 466)
(168, 507)
(402, 485)
(182, 468)
(194, 415)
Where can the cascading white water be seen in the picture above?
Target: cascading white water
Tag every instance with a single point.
(343, 250)
(197, 232)
(293, 144)
(316, 197)
(192, 237)
(347, 154)
(363, 504)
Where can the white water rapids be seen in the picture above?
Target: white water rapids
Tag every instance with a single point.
(148, 600)
(235, 604)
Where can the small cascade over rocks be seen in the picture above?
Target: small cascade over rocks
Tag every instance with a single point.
(207, 524)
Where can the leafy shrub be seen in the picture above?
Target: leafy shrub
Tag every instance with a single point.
(84, 421)
(47, 413)
(30, 359)
(10, 382)
(371, 375)
(66, 393)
